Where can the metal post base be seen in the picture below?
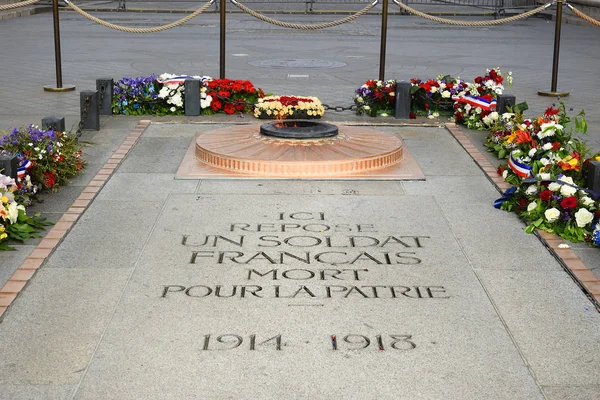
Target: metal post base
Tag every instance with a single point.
(554, 94)
(65, 88)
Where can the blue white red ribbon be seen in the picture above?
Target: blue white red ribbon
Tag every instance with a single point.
(22, 170)
(523, 170)
(476, 101)
(175, 80)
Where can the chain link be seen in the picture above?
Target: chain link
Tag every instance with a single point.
(83, 116)
(340, 108)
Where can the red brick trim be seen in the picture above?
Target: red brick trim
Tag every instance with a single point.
(586, 279)
(16, 283)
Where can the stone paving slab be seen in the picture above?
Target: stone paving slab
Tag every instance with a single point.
(144, 278)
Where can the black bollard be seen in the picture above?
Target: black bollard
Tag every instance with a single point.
(402, 100)
(90, 109)
(57, 124)
(104, 86)
(192, 97)
(505, 101)
(9, 165)
(593, 176)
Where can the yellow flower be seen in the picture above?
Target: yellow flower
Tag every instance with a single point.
(4, 199)
(510, 138)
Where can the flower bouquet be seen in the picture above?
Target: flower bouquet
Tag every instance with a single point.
(228, 96)
(376, 98)
(15, 224)
(47, 158)
(556, 205)
(164, 95)
(475, 106)
(435, 95)
(547, 165)
(281, 107)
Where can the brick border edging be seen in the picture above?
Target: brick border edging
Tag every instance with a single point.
(586, 279)
(16, 283)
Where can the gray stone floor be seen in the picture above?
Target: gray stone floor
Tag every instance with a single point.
(92, 322)
(122, 308)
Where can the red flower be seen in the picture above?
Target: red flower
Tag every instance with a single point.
(569, 202)
(49, 179)
(215, 105)
(412, 115)
(551, 111)
(546, 195)
(478, 80)
(224, 93)
(555, 145)
(239, 106)
(229, 109)
(237, 87)
(501, 169)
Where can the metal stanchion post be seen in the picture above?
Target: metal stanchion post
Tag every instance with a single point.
(59, 85)
(553, 92)
(384, 20)
(222, 41)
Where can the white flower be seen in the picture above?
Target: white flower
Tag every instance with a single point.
(433, 89)
(548, 129)
(531, 189)
(532, 206)
(583, 217)
(173, 109)
(507, 116)
(6, 181)
(446, 94)
(478, 110)
(468, 107)
(554, 186)
(13, 212)
(566, 179)
(504, 174)
(545, 161)
(567, 191)
(532, 152)
(545, 177)
(392, 93)
(359, 99)
(547, 146)
(443, 86)
(587, 201)
(164, 92)
(552, 214)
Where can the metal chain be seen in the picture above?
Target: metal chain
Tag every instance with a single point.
(83, 116)
(473, 23)
(302, 26)
(340, 108)
(140, 30)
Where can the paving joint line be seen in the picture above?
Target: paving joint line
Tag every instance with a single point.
(21, 277)
(566, 257)
(118, 302)
(492, 303)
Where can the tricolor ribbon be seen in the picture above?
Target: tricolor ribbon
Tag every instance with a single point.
(476, 101)
(519, 168)
(175, 80)
(22, 169)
